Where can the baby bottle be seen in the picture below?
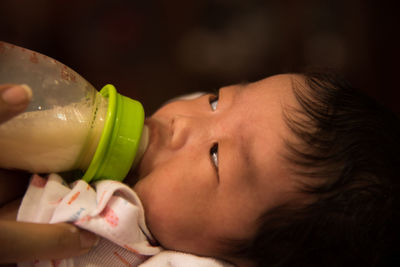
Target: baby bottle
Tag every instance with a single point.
(68, 125)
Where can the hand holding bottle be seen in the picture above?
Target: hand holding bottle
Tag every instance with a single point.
(28, 241)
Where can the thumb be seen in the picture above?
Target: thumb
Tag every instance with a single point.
(30, 241)
(13, 100)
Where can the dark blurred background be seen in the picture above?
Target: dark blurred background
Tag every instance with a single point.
(156, 49)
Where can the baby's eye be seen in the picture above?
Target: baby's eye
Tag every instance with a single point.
(214, 155)
(213, 102)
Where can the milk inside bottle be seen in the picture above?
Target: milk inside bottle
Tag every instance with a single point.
(68, 125)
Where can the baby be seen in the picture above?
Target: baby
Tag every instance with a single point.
(292, 170)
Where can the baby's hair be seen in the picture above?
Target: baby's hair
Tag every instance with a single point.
(345, 155)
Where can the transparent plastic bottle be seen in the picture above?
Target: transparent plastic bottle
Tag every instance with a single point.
(68, 125)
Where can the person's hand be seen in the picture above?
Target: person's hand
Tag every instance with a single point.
(21, 241)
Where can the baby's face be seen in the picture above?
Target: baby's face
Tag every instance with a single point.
(214, 166)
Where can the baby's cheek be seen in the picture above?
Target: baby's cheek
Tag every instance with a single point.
(163, 225)
(155, 202)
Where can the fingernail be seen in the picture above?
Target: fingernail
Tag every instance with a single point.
(17, 94)
(88, 239)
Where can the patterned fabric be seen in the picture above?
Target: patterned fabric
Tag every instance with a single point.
(114, 212)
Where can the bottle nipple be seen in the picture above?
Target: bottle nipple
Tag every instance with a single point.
(144, 142)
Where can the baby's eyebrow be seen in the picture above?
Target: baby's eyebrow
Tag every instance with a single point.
(244, 150)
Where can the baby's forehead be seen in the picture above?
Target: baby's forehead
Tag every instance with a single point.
(281, 85)
(264, 133)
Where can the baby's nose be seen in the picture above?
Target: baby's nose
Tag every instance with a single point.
(182, 129)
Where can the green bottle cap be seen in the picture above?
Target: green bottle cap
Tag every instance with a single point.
(119, 140)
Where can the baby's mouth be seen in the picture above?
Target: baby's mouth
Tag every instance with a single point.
(155, 147)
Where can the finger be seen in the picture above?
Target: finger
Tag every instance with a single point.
(29, 241)
(13, 100)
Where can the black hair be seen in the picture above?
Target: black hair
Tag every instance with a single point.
(346, 159)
